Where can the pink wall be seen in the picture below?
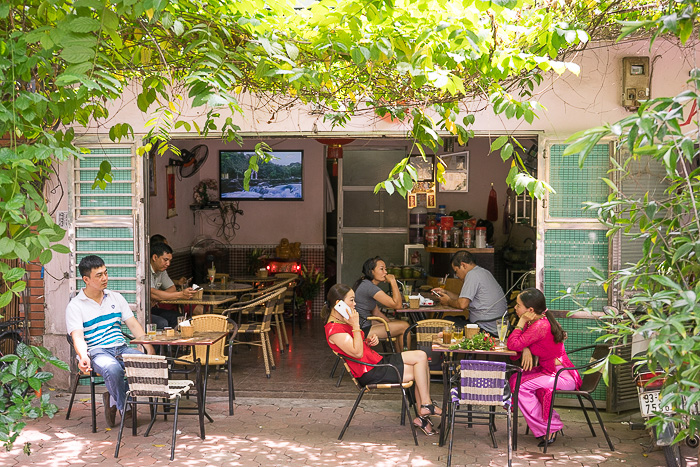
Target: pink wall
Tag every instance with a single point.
(263, 222)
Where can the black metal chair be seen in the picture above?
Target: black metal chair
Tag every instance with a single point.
(404, 387)
(148, 377)
(588, 385)
(483, 384)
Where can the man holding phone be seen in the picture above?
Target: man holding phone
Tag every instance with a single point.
(163, 288)
(481, 298)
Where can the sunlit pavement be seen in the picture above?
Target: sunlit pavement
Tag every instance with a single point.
(292, 432)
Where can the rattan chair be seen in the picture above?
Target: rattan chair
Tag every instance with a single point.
(290, 298)
(260, 329)
(147, 376)
(483, 384)
(425, 330)
(403, 387)
(280, 327)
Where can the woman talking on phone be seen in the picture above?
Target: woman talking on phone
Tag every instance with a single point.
(345, 337)
(369, 296)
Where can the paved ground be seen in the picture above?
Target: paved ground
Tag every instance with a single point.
(288, 431)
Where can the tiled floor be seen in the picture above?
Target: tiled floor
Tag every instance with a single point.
(294, 418)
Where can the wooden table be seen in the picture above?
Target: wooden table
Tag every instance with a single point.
(418, 314)
(206, 300)
(449, 367)
(200, 338)
(227, 289)
(255, 280)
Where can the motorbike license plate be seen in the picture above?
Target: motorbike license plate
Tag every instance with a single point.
(649, 402)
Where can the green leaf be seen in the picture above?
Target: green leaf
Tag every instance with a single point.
(507, 151)
(22, 252)
(499, 142)
(13, 274)
(58, 248)
(77, 54)
(83, 24)
(45, 256)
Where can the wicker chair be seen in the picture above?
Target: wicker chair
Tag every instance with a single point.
(147, 376)
(404, 387)
(482, 384)
(290, 298)
(425, 330)
(260, 329)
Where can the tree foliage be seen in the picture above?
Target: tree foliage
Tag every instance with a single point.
(664, 283)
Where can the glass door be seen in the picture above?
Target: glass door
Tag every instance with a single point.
(369, 224)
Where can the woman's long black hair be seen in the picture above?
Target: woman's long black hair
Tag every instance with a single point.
(337, 292)
(367, 273)
(533, 298)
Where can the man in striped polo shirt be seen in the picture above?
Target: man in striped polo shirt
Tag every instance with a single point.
(93, 319)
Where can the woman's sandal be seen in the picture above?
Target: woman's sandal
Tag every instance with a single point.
(424, 424)
(431, 408)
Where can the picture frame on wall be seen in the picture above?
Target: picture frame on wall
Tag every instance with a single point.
(152, 187)
(456, 173)
(425, 168)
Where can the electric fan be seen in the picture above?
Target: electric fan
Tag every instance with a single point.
(191, 160)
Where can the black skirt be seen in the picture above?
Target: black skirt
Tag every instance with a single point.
(384, 374)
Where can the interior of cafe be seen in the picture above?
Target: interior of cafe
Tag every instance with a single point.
(313, 208)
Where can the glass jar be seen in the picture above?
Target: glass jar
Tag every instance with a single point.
(431, 236)
(480, 241)
(467, 236)
(456, 234)
(445, 239)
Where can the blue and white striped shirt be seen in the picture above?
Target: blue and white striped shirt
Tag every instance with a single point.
(100, 323)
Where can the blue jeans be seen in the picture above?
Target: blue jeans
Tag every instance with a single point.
(105, 362)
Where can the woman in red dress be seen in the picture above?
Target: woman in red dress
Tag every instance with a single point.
(345, 337)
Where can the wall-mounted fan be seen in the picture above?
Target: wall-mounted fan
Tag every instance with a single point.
(191, 160)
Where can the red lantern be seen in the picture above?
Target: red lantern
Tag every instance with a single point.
(334, 150)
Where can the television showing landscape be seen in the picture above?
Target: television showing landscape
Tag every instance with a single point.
(279, 179)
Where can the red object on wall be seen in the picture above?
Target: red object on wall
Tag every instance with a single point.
(492, 206)
(334, 150)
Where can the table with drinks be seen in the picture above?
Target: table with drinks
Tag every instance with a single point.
(452, 335)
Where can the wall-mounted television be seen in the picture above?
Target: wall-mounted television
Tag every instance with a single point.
(280, 179)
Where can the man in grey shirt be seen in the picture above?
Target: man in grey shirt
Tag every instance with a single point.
(163, 288)
(480, 293)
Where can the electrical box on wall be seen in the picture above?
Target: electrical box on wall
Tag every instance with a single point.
(635, 81)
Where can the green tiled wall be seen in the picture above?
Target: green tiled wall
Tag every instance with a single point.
(576, 185)
(567, 256)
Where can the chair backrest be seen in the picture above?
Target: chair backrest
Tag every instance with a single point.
(590, 380)
(291, 283)
(147, 375)
(271, 306)
(211, 323)
(347, 369)
(482, 382)
(425, 330)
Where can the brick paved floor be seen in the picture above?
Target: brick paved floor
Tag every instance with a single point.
(293, 432)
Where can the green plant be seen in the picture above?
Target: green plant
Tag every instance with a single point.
(665, 224)
(481, 341)
(256, 260)
(311, 281)
(20, 390)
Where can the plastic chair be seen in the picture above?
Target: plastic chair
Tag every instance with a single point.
(589, 384)
(363, 389)
(483, 383)
(147, 376)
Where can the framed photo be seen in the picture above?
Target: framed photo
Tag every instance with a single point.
(425, 168)
(456, 172)
(152, 189)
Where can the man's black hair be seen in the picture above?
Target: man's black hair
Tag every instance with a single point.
(159, 249)
(462, 256)
(157, 238)
(88, 263)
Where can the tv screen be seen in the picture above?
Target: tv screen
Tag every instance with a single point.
(279, 179)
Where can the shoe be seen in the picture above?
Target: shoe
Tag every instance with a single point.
(424, 425)
(548, 442)
(431, 408)
(128, 419)
(110, 410)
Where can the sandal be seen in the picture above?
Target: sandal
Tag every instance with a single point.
(424, 424)
(431, 408)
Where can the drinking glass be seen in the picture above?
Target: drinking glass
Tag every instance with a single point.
(458, 333)
(447, 335)
(502, 332)
(151, 329)
(211, 273)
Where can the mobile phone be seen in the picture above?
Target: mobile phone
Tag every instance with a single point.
(342, 308)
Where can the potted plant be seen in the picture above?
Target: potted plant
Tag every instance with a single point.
(312, 280)
(256, 260)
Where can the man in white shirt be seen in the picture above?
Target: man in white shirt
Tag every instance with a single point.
(93, 319)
